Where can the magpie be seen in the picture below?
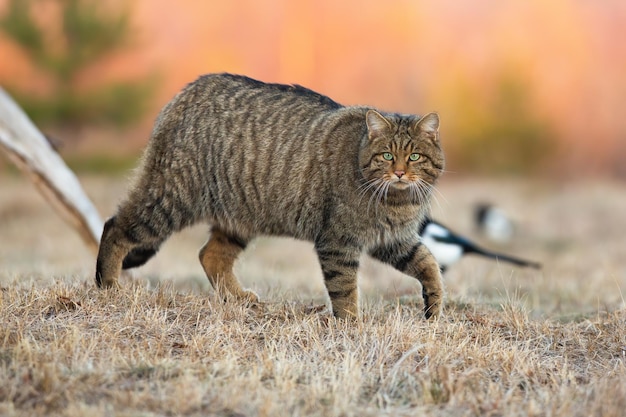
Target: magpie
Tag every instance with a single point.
(448, 247)
(494, 223)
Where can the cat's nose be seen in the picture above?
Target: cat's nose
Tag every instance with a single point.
(399, 174)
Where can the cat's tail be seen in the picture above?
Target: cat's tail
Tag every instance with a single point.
(139, 256)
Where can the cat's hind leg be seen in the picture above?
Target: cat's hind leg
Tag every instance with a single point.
(114, 246)
(132, 236)
(218, 256)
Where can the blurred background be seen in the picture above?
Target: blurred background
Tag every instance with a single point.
(531, 88)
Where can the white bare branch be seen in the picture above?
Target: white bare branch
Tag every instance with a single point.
(32, 153)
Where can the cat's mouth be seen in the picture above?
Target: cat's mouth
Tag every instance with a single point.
(400, 184)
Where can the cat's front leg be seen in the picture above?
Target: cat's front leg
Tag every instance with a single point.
(339, 266)
(417, 261)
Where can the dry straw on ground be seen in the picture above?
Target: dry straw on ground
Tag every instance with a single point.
(511, 343)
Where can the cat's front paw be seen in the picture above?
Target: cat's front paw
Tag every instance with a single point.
(248, 296)
(106, 283)
(432, 305)
(432, 312)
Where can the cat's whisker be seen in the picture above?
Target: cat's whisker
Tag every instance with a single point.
(421, 192)
(387, 185)
(433, 188)
(381, 195)
(417, 193)
(434, 191)
(371, 184)
(424, 193)
(374, 197)
(428, 189)
(362, 189)
(434, 198)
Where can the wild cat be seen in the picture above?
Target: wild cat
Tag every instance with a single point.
(252, 159)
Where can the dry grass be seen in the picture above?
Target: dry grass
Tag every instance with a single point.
(511, 342)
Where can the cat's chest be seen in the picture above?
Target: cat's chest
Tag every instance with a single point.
(376, 225)
(393, 225)
(399, 223)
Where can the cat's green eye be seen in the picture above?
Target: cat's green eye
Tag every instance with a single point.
(387, 156)
(414, 156)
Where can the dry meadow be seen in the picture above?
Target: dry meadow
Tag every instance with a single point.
(512, 342)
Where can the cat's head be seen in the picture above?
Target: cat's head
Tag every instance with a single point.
(401, 152)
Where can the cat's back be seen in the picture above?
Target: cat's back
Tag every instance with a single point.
(229, 92)
(227, 107)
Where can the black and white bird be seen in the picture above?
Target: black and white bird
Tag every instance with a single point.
(448, 247)
(494, 223)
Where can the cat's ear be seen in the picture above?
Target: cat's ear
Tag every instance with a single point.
(428, 124)
(377, 125)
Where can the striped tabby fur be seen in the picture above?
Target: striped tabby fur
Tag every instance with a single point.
(253, 159)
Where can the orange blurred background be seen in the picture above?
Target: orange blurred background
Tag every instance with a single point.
(568, 59)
